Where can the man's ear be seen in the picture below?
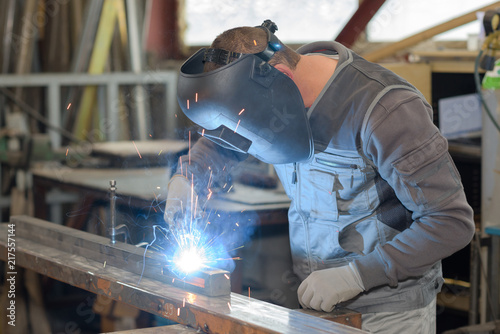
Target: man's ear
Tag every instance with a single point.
(285, 70)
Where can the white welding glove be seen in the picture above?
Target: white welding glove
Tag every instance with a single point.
(323, 289)
(180, 197)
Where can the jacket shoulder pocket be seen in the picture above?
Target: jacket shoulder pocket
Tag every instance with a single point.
(426, 154)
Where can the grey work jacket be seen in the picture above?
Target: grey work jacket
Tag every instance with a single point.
(381, 189)
(344, 207)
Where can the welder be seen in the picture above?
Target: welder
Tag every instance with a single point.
(376, 200)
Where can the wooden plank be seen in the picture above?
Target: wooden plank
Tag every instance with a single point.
(24, 45)
(391, 49)
(98, 60)
(82, 51)
(173, 329)
(227, 314)
(207, 281)
(136, 55)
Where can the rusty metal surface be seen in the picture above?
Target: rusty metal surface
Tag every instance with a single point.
(339, 315)
(209, 281)
(225, 314)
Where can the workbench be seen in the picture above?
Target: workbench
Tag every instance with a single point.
(146, 187)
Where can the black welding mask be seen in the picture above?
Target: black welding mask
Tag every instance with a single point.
(246, 105)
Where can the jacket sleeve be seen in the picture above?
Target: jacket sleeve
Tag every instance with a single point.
(412, 156)
(208, 164)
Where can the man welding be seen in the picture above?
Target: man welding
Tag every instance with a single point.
(376, 200)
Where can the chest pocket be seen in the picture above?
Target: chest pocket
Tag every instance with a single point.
(343, 185)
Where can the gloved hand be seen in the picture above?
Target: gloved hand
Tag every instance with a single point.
(323, 289)
(180, 195)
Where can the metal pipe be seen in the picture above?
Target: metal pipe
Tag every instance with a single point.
(112, 209)
(475, 247)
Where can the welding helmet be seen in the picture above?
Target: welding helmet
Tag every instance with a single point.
(247, 105)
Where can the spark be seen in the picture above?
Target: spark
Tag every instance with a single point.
(150, 135)
(226, 276)
(178, 312)
(237, 125)
(203, 132)
(67, 151)
(196, 97)
(241, 112)
(183, 302)
(191, 298)
(104, 264)
(237, 224)
(192, 194)
(160, 152)
(248, 292)
(189, 147)
(229, 304)
(69, 106)
(230, 188)
(254, 42)
(209, 183)
(187, 104)
(137, 149)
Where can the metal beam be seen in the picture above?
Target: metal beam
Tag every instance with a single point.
(233, 313)
(74, 79)
(358, 22)
(55, 81)
(209, 281)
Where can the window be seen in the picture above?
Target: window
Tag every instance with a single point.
(298, 21)
(398, 19)
(302, 21)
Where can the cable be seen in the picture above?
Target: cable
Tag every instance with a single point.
(36, 115)
(478, 81)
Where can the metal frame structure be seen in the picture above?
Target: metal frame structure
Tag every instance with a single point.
(53, 83)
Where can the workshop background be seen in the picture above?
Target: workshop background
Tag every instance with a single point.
(90, 132)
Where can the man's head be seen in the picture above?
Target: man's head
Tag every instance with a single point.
(241, 92)
(251, 40)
